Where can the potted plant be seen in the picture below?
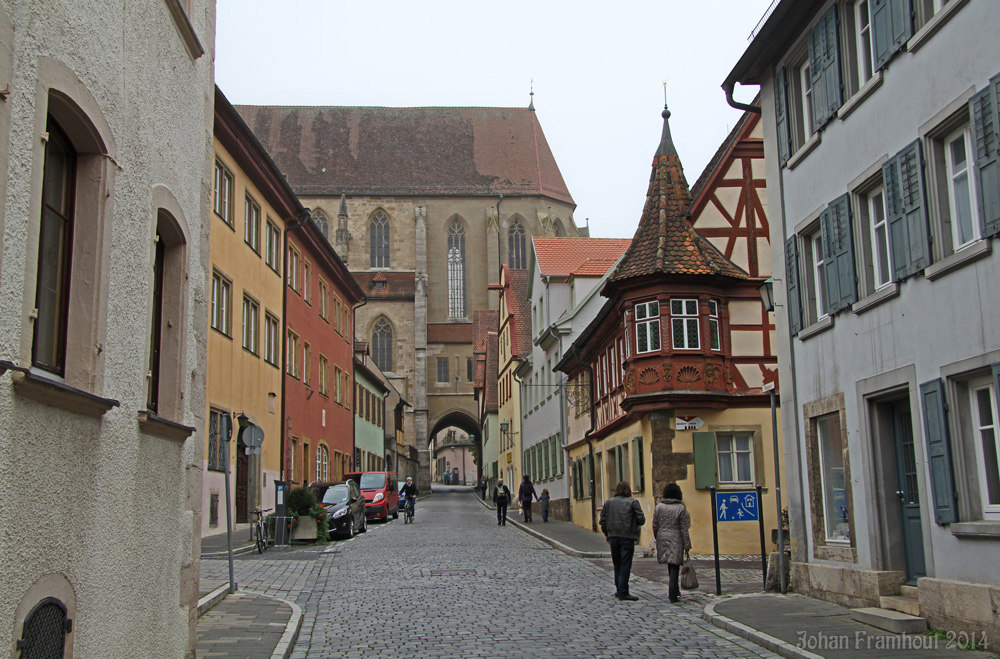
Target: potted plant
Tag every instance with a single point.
(302, 506)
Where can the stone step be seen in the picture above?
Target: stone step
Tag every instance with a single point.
(890, 621)
(901, 603)
(206, 603)
(909, 591)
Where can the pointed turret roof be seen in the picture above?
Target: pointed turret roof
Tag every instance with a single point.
(665, 243)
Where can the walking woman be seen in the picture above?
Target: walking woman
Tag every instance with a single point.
(671, 522)
(621, 517)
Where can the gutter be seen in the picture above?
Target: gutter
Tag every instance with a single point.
(728, 87)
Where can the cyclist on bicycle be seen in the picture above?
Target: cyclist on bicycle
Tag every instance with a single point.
(409, 494)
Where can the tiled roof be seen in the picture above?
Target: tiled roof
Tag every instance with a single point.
(492, 371)
(408, 151)
(665, 243)
(449, 333)
(594, 267)
(393, 285)
(483, 321)
(560, 257)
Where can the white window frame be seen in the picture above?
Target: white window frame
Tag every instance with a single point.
(878, 221)
(222, 298)
(991, 511)
(817, 275)
(293, 269)
(271, 328)
(714, 328)
(731, 457)
(688, 320)
(251, 223)
(647, 326)
(292, 355)
(863, 41)
(272, 246)
(805, 100)
(251, 324)
(224, 184)
(968, 172)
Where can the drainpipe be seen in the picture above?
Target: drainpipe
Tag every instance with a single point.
(354, 382)
(728, 88)
(590, 443)
(300, 221)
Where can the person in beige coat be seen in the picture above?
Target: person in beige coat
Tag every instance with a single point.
(671, 522)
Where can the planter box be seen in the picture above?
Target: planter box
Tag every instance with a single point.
(305, 530)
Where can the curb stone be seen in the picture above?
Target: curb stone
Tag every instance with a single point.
(772, 643)
(287, 642)
(206, 603)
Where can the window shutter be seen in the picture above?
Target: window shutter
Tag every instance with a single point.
(824, 67)
(781, 116)
(792, 284)
(838, 247)
(892, 26)
(638, 468)
(704, 460)
(935, 411)
(985, 128)
(909, 237)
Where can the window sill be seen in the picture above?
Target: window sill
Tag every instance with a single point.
(859, 96)
(933, 25)
(185, 29)
(804, 151)
(57, 394)
(968, 254)
(878, 297)
(6, 366)
(223, 333)
(819, 326)
(981, 529)
(163, 428)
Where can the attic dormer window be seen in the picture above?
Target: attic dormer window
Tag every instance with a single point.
(378, 285)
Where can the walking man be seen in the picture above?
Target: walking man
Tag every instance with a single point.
(501, 497)
(621, 517)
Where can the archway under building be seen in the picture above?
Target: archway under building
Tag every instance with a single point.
(454, 447)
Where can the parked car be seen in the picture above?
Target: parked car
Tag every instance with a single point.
(345, 507)
(380, 492)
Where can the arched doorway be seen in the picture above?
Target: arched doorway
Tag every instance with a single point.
(454, 449)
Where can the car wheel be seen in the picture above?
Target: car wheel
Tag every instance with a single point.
(364, 525)
(395, 514)
(350, 528)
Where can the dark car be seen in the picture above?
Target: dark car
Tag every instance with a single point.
(345, 507)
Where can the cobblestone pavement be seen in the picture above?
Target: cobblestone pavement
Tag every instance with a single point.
(472, 589)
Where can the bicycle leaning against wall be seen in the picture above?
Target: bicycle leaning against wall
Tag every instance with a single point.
(259, 530)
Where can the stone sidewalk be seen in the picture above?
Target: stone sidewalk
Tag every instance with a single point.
(249, 626)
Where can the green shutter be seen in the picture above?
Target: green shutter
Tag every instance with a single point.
(704, 460)
(638, 468)
(838, 255)
(824, 68)
(781, 116)
(985, 113)
(792, 285)
(935, 410)
(906, 206)
(892, 26)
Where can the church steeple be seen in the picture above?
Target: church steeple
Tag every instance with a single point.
(342, 236)
(666, 147)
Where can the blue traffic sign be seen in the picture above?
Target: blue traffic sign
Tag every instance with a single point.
(737, 507)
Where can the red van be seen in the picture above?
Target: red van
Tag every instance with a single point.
(380, 493)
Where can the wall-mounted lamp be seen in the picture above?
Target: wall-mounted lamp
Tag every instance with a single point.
(766, 291)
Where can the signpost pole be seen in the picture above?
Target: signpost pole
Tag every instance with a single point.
(763, 549)
(777, 493)
(715, 539)
(227, 433)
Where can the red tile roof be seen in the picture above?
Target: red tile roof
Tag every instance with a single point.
(483, 321)
(561, 257)
(594, 267)
(414, 151)
(517, 306)
(664, 242)
(492, 372)
(484, 334)
(449, 333)
(396, 286)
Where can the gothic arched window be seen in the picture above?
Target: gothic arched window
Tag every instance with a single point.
(381, 345)
(320, 219)
(558, 229)
(517, 255)
(456, 270)
(380, 240)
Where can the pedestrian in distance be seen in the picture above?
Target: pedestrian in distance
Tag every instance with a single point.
(524, 495)
(671, 522)
(621, 517)
(501, 497)
(482, 485)
(544, 501)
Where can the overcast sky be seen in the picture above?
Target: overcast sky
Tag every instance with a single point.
(598, 69)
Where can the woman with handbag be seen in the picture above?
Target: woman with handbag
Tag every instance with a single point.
(671, 522)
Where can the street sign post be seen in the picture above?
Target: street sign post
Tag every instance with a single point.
(737, 507)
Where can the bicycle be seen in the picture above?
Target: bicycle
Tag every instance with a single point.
(408, 510)
(260, 530)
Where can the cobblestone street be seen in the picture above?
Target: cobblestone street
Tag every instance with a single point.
(469, 588)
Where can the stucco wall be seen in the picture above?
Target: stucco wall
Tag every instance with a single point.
(103, 494)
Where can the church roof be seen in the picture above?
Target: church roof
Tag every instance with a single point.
(333, 150)
(664, 242)
(562, 257)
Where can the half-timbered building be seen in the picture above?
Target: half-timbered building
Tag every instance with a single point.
(679, 354)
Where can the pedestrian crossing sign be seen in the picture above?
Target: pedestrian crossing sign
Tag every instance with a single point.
(737, 507)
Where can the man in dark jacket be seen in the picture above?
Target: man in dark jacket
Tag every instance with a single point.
(501, 497)
(621, 517)
(524, 495)
(409, 490)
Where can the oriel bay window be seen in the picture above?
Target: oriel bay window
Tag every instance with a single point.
(647, 327)
(684, 324)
